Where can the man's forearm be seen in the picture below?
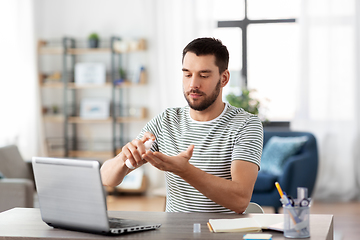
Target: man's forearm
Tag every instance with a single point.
(113, 172)
(230, 194)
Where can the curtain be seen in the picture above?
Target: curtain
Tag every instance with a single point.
(328, 102)
(20, 112)
(176, 23)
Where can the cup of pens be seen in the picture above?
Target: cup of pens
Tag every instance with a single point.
(296, 222)
(296, 213)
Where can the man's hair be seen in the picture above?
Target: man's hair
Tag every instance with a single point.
(209, 46)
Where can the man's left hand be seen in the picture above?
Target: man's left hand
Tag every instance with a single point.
(176, 164)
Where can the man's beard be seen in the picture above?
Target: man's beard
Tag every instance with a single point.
(206, 102)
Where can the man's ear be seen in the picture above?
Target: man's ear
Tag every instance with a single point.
(225, 77)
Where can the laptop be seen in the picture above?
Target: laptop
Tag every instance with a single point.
(71, 196)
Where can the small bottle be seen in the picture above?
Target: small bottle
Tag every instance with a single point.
(197, 228)
(142, 75)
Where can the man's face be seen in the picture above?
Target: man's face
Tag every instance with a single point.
(201, 81)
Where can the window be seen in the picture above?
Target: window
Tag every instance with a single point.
(267, 56)
(273, 67)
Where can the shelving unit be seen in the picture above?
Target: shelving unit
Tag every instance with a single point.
(69, 117)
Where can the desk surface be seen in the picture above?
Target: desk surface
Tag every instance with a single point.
(26, 223)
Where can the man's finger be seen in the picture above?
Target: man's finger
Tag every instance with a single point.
(147, 136)
(152, 159)
(188, 153)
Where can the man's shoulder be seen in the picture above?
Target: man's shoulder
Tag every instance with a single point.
(238, 113)
(240, 117)
(173, 113)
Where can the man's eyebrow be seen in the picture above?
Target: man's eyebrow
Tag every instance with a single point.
(201, 71)
(206, 71)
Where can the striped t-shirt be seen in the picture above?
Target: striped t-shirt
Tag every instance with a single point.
(234, 135)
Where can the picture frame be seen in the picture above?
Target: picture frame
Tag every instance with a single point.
(134, 182)
(90, 73)
(94, 108)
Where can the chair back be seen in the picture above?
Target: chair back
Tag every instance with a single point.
(12, 165)
(254, 208)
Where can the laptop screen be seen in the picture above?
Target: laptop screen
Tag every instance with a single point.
(71, 194)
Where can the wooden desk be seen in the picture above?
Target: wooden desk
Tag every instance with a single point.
(26, 223)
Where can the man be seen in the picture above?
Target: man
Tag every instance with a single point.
(210, 151)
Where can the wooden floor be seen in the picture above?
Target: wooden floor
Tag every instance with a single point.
(346, 215)
(135, 203)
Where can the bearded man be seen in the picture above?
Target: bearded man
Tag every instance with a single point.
(209, 150)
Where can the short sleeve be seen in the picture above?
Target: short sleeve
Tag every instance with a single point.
(153, 126)
(249, 143)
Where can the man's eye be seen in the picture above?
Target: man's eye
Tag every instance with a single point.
(187, 75)
(204, 76)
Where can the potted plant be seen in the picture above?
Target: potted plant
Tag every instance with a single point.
(93, 40)
(246, 102)
(122, 74)
(55, 109)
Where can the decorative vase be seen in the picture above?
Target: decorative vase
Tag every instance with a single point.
(93, 43)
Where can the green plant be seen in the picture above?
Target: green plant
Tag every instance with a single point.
(93, 36)
(55, 109)
(244, 101)
(247, 102)
(122, 73)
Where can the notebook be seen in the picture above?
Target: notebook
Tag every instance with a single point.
(254, 223)
(71, 196)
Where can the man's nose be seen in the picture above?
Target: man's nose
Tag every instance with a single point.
(195, 82)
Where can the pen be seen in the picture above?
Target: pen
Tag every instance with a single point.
(285, 201)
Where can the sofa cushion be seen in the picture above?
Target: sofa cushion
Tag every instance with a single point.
(277, 150)
(265, 182)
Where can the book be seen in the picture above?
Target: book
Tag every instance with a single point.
(251, 223)
(257, 236)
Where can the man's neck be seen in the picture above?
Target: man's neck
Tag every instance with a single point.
(208, 114)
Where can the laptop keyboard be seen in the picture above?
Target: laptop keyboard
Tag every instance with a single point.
(121, 223)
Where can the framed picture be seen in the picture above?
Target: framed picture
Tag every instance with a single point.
(133, 182)
(94, 108)
(90, 73)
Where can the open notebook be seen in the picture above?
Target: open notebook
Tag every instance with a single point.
(253, 223)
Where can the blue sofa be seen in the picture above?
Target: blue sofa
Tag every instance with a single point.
(299, 170)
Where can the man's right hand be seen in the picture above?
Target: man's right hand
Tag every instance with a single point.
(135, 149)
(114, 170)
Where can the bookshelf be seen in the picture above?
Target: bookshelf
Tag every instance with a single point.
(62, 124)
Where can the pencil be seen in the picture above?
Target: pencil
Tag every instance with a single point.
(209, 226)
(279, 189)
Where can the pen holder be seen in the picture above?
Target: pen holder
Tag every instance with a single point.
(296, 222)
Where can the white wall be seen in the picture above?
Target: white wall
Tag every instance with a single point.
(167, 27)
(126, 19)
(78, 18)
